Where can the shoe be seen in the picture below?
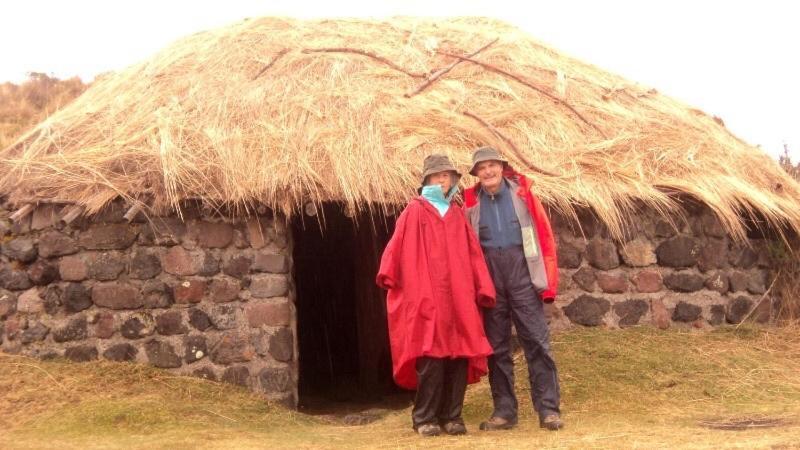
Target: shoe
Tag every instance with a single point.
(428, 429)
(454, 428)
(497, 423)
(552, 422)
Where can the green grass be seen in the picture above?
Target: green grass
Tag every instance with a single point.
(635, 388)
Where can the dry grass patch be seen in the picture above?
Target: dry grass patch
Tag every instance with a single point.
(625, 388)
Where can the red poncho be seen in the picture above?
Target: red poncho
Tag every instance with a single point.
(434, 270)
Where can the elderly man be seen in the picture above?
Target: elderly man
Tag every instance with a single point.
(437, 279)
(519, 248)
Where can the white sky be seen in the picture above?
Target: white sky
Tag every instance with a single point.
(739, 60)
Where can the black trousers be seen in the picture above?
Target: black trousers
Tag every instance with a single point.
(441, 385)
(517, 301)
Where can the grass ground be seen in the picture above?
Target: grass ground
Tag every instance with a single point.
(634, 388)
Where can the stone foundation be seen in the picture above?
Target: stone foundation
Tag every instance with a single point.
(199, 297)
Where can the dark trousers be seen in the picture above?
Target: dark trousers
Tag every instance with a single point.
(517, 301)
(441, 385)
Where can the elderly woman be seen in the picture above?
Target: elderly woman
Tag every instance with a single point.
(437, 278)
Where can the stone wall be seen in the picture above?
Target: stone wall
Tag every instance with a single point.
(199, 297)
(690, 274)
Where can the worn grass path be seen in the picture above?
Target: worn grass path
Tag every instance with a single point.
(634, 388)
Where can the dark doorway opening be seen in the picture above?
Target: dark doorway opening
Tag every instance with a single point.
(341, 315)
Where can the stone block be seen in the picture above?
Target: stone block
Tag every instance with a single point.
(717, 315)
(35, 333)
(602, 254)
(20, 249)
(587, 310)
(679, 252)
(585, 278)
(144, 264)
(568, 255)
(199, 319)
(738, 280)
(231, 348)
(224, 317)
(757, 283)
(106, 266)
(30, 302)
(238, 375)
(237, 266)
(104, 325)
(684, 281)
(81, 353)
(686, 312)
(14, 280)
(179, 261)
(267, 286)
(615, 283)
(161, 354)
(272, 314)
(257, 232)
(281, 344)
(116, 296)
(630, 312)
(171, 323)
(275, 379)
(195, 348)
(211, 234)
(713, 255)
(638, 253)
(8, 304)
(224, 290)
(121, 352)
(137, 327)
(76, 298)
(717, 281)
(156, 294)
(273, 263)
(74, 330)
(189, 291)
(648, 281)
(108, 237)
(73, 268)
(738, 309)
(659, 314)
(205, 373)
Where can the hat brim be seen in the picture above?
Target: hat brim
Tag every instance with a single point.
(475, 164)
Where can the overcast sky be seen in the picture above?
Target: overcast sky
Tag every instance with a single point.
(737, 59)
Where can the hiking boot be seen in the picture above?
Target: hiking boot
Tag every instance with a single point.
(552, 422)
(428, 429)
(497, 423)
(454, 428)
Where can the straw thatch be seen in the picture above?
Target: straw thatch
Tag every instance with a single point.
(283, 112)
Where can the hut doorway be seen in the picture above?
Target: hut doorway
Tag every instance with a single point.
(341, 315)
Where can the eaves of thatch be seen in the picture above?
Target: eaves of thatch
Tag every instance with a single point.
(282, 112)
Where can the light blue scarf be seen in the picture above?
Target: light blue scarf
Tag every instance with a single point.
(434, 195)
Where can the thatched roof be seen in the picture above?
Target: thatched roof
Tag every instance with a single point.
(283, 112)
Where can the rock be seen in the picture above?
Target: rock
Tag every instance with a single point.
(272, 263)
(14, 280)
(738, 309)
(8, 304)
(275, 379)
(145, 264)
(717, 314)
(239, 239)
(209, 266)
(281, 344)
(602, 254)
(713, 255)
(236, 375)
(272, 314)
(161, 354)
(585, 278)
(74, 330)
(76, 298)
(104, 325)
(206, 373)
(106, 266)
(170, 323)
(231, 348)
(81, 353)
(684, 281)
(638, 253)
(664, 229)
(121, 352)
(108, 237)
(51, 298)
(630, 312)
(659, 314)
(179, 261)
(224, 290)
(211, 234)
(20, 249)
(163, 231)
(717, 281)
(35, 333)
(757, 283)
(568, 256)
(743, 256)
(156, 294)
(587, 310)
(114, 212)
(612, 283)
(136, 327)
(194, 348)
(681, 251)
(712, 226)
(199, 319)
(73, 268)
(224, 317)
(738, 281)
(237, 266)
(267, 286)
(189, 291)
(29, 302)
(116, 296)
(648, 281)
(686, 312)
(257, 233)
